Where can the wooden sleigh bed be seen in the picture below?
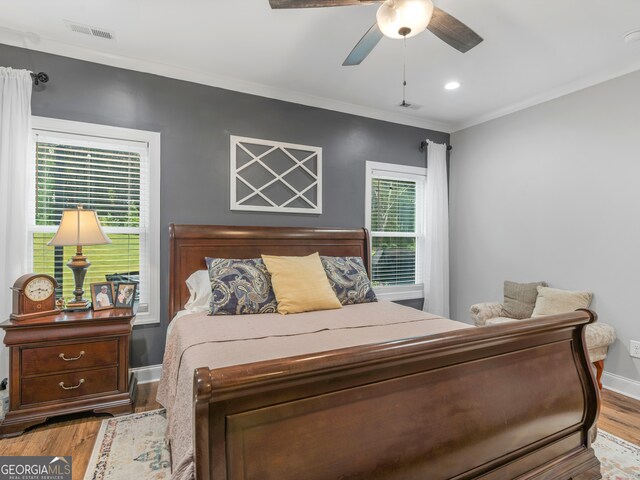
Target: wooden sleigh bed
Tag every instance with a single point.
(502, 402)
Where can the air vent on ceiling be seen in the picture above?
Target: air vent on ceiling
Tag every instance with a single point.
(80, 29)
(102, 33)
(87, 30)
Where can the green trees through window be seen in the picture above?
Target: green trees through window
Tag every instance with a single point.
(106, 180)
(393, 227)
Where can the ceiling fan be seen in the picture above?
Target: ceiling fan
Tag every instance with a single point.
(398, 19)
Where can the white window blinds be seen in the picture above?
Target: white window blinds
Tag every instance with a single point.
(395, 222)
(107, 175)
(393, 226)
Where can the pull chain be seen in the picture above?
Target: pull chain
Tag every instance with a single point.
(404, 71)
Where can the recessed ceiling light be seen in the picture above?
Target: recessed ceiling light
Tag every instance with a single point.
(452, 85)
(632, 36)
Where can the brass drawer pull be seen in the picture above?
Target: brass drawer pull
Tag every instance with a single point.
(71, 388)
(72, 358)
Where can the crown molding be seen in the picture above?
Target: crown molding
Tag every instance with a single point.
(55, 47)
(566, 89)
(228, 83)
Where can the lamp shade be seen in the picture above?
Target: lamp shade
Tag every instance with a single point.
(404, 18)
(79, 227)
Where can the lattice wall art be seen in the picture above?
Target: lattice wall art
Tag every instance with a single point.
(268, 176)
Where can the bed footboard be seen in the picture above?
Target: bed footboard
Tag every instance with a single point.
(501, 402)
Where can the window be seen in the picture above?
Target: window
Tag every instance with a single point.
(116, 172)
(394, 217)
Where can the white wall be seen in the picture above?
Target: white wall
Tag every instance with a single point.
(553, 193)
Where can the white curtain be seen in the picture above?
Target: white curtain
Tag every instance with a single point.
(15, 133)
(436, 265)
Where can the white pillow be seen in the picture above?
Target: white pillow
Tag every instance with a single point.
(552, 301)
(199, 287)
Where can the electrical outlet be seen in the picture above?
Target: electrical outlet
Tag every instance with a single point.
(634, 350)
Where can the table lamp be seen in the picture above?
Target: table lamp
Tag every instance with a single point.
(79, 227)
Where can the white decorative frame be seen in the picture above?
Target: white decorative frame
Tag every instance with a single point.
(262, 160)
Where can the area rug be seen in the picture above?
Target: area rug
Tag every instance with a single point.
(133, 447)
(619, 459)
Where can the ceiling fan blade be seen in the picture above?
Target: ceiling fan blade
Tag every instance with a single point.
(452, 31)
(364, 46)
(317, 3)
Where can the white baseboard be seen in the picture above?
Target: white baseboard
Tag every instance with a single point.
(623, 385)
(147, 374)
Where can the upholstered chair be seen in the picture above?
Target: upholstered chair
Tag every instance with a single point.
(599, 335)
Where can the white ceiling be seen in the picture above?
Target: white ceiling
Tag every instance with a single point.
(533, 51)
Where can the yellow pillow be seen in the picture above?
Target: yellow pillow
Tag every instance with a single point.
(300, 284)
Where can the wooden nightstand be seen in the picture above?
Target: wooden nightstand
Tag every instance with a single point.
(67, 363)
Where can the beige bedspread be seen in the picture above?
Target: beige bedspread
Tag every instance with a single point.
(198, 340)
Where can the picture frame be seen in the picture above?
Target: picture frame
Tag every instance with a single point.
(102, 295)
(125, 294)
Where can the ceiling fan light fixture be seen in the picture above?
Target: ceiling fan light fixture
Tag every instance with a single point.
(404, 18)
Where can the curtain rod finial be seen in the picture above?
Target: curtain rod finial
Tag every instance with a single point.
(39, 77)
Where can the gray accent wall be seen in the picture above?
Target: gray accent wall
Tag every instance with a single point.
(553, 193)
(195, 122)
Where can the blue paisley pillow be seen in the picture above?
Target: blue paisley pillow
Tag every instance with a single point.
(240, 287)
(349, 279)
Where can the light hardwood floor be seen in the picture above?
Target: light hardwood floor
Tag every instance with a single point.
(72, 435)
(75, 435)
(620, 416)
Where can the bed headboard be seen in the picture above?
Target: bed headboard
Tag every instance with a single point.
(189, 244)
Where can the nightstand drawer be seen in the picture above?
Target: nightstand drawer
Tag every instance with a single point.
(69, 385)
(36, 361)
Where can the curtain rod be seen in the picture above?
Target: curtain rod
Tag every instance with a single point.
(39, 77)
(424, 143)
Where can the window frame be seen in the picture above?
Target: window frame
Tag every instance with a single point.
(53, 126)
(399, 172)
